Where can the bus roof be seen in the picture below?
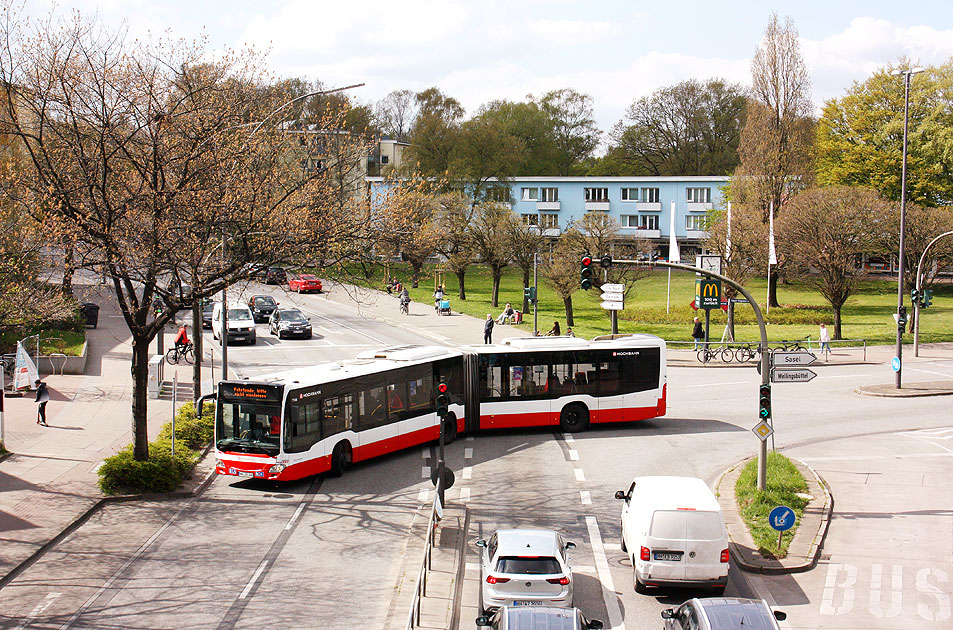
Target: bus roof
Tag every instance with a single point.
(534, 344)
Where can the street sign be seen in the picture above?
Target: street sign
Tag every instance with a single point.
(708, 293)
(781, 518)
(612, 297)
(613, 288)
(739, 300)
(763, 430)
(895, 364)
(792, 375)
(792, 358)
(612, 306)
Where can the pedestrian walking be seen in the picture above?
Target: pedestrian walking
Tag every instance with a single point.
(42, 397)
(437, 297)
(488, 329)
(825, 339)
(698, 333)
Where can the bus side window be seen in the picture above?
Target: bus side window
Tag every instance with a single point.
(371, 411)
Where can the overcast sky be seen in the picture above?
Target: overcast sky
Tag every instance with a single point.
(478, 51)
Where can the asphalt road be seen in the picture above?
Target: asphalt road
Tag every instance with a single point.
(315, 553)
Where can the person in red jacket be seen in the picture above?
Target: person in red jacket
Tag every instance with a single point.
(181, 338)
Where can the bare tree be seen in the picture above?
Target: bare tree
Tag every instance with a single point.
(561, 269)
(455, 216)
(490, 232)
(396, 114)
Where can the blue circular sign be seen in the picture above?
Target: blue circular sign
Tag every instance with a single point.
(895, 364)
(781, 518)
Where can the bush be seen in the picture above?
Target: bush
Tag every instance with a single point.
(121, 473)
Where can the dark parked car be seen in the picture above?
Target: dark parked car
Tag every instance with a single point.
(207, 309)
(262, 306)
(289, 322)
(275, 275)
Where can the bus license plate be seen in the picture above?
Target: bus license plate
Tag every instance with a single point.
(242, 473)
(676, 556)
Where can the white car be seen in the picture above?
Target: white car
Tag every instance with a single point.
(525, 567)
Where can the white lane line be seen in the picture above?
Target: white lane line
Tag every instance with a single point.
(468, 453)
(423, 495)
(849, 458)
(580, 475)
(718, 384)
(944, 375)
(464, 494)
(425, 472)
(602, 569)
(842, 376)
(254, 578)
(585, 497)
(425, 453)
(38, 610)
(568, 438)
(295, 516)
(518, 446)
(469, 438)
(573, 456)
(467, 472)
(612, 547)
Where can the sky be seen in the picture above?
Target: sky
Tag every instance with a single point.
(479, 51)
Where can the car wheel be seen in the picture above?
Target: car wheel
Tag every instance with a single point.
(574, 417)
(309, 336)
(340, 458)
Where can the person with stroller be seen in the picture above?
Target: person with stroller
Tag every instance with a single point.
(437, 297)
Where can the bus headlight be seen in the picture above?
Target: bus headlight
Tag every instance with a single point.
(219, 463)
(276, 468)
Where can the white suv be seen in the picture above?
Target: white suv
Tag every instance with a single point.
(525, 567)
(241, 324)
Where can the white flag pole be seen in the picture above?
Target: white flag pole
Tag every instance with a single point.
(772, 257)
(673, 256)
(728, 236)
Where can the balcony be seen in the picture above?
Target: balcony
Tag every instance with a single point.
(699, 235)
(698, 207)
(547, 205)
(648, 207)
(597, 206)
(642, 233)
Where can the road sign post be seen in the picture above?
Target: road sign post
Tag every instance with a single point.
(781, 520)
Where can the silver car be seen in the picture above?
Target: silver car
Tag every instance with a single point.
(723, 613)
(525, 567)
(538, 618)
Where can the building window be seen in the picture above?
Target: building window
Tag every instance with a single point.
(640, 221)
(630, 194)
(385, 159)
(695, 222)
(548, 221)
(549, 194)
(698, 195)
(597, 194)
(530, 219)
(649, 195)
(499, 193)
(531, 194)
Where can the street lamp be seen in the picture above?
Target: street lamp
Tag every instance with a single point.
(901, 319)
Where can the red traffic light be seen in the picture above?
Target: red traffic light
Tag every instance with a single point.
(586, 260)
(442, 388)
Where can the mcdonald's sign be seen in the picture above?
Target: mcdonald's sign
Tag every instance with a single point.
(708, 293)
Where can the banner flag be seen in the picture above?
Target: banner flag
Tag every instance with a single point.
(772, 256)
(673, 256)
(25, 373)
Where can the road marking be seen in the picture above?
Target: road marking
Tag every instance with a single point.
(469, 438)
(254, 578)
(38, 610)
(468, 453)
(425, 472)
(944, 375)
(568, 438)
(602, 569)
(467, 472)
(585, 497)
(295, 515)
(580, 475)
(573, 456)
(830, 584)
(718, 384)
(464, 494)
(847, 458)
(342, 325)
(896, 594)
(518, 446)
(425, 453)
(842, 375)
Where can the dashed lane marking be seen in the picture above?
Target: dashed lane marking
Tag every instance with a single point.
(585, 497)
(425, 472)
(573, 455)
(464, 494)
(605, 577)
(468, 453)
(467, 472)
(580, 475)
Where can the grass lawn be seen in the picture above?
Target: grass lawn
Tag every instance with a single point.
(868, 314)
(68, 342)
(783, 482)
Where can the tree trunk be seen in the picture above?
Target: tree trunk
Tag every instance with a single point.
(197, 348)
(567, 303)
(525, 284)
(495, 298)
(773, 290)
(460, 276)
(68, 269)
(140, 390)
(837, 322)
(415, 279)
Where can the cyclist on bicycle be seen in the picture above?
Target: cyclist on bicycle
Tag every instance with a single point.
(181, 339)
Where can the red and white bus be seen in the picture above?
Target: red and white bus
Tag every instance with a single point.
(317, 419)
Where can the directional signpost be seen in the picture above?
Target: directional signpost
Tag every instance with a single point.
(792, 375)
(800, 357)
(613, 300)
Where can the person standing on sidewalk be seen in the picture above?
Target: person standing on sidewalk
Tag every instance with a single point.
(488, 329)
(698, 333)
(825, 339)
(42, 397)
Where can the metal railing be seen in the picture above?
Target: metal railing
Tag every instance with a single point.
(420, 591)
(806, 343)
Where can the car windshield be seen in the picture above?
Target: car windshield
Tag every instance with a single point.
(306, 276)
(238, 313)
(293, 316)
(264, 301)
(209, 307)
(528, 566)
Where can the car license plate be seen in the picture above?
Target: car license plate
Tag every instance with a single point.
(527, 603)
(674, 556)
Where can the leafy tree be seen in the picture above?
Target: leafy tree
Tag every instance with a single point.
(532, 128)
(490, 234)
(484, 157)
(827, 230)
(574, 129)
(454, 219)
(435, 132)
(859, 139)
(690, 128)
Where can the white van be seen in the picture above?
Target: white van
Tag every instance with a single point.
(241, 323)
(674, 532)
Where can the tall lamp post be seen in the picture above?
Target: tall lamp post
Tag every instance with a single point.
(901, 319)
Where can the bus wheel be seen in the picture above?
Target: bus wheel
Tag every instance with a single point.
(340, 458)
(575, 417)
(450, 429)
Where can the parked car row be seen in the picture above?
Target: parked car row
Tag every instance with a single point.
(674, 533)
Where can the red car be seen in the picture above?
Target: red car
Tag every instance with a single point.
(305, 283)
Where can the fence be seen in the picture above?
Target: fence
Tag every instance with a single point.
(420, 591)
(749, 350)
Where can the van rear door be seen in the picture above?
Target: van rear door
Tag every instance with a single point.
(686, 544)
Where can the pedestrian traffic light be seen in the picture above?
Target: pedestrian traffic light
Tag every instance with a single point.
(526, 294)
(585, 272)
(529, 294)
(443, 399)
(915, 297)
(926, 299)
(902, 317)
(764, 401)
(606, 261)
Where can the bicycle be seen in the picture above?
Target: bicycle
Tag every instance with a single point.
(747, 352)
(404, 307)
(187, 353)
(707, 354)
(793, 346)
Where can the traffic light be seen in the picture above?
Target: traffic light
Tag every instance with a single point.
(606, 261)
(926, 299)
(529, 294)
(915, 297)
(443, 399)
(902, 317)
(585, 272)
(764, 401)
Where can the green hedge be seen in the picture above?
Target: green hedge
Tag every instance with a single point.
(123, 474)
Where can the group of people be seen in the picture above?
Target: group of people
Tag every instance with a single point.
(394, 286)
(490, 322)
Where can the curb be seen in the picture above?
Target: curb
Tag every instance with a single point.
(769, 566)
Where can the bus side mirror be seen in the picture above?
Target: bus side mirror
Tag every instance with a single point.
(483, 621)
(620, 494)
(780, 615)
(595, 624)
(570, 545)
(481, 543)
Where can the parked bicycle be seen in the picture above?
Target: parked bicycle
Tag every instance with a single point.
(794, 346)
(747, 352)
(187, 353)
(708, 354)
(9, 363)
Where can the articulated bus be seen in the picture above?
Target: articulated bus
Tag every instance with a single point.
(322, 418)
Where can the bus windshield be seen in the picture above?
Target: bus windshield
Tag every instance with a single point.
(248, 418)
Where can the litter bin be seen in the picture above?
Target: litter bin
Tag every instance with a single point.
(90, 313)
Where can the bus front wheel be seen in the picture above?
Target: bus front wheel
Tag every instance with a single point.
(340, 458)
(575, 417)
